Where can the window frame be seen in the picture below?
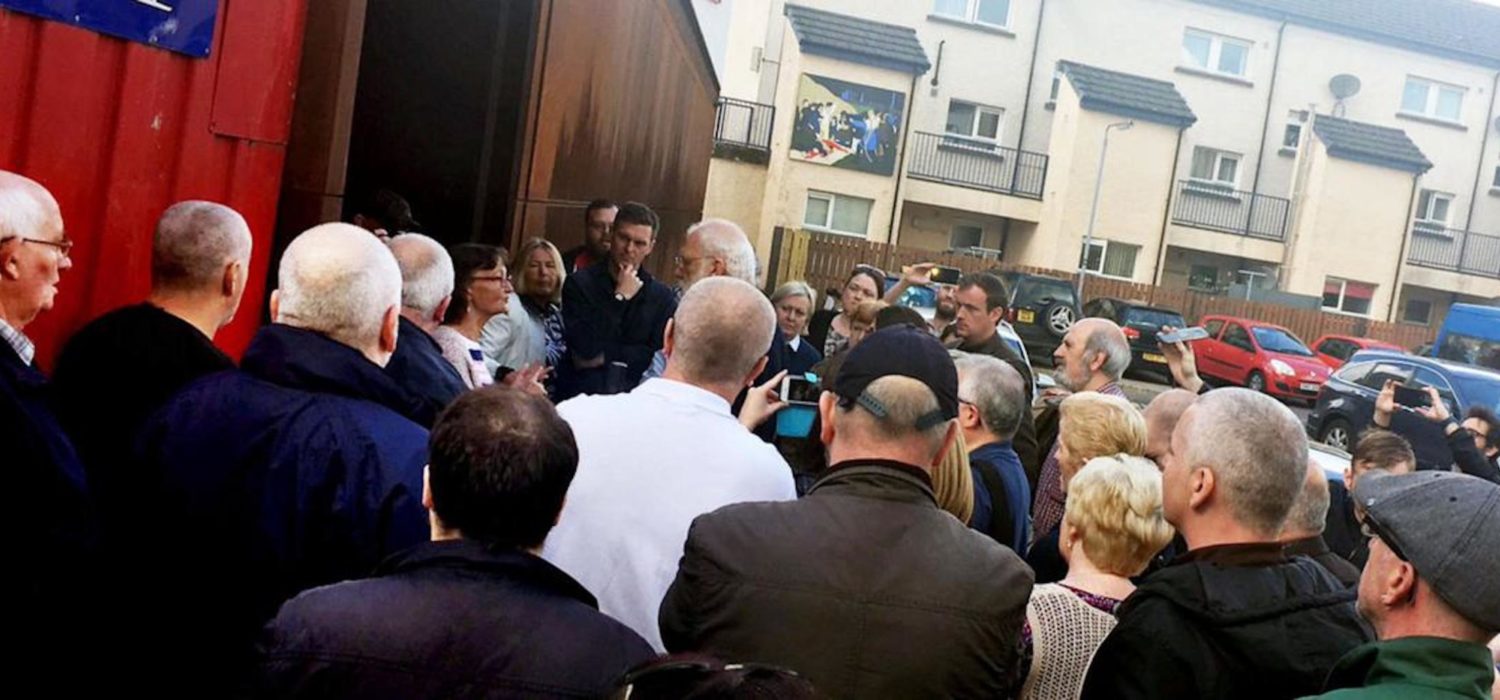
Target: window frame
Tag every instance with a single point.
(1104, 258)
(1219, 156)
(1344, 296)
(971, 13)
(1434, 89)
(1216, 43)
(1433, 227)
(979, 111)
(1214, 333)
(953, 230)
(833, 198)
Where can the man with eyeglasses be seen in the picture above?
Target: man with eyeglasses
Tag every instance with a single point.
(50, 516)
(1431, 589)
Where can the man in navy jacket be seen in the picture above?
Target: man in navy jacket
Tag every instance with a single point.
(297, 470)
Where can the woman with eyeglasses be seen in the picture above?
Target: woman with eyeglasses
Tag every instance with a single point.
(530, 332)
(481, 290)
(829, 330)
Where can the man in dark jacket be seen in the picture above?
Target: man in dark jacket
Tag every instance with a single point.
(1465, 445)
(1234, 617)
(614, 313)
(598, 219)
(474, 612)
(1376, 451)
(980, 301)
(1303, 533)
(992, 397)
(418, 364)
(298, 470)
(863, 586)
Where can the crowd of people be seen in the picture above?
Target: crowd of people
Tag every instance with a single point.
(450, 472)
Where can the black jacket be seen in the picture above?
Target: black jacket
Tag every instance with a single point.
(1341, 530)
(800, 361)
(418, 366)
(1316, 549)
(1024, 442)
(1235, 621)
(448, 620)
(817, 328)
(863, 586)
(595, 323)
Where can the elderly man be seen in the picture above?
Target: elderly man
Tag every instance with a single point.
(1235, 617)
(653, 459)
(1092, 357)
(418, 365)
(295, 471)
(715, 248)
(979, 303)
(598, 218)
(864, 586)
(1431, 589)
(991, 401)
(473, 607)
(1303, 533)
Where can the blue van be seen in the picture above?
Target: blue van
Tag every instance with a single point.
(1470, 334)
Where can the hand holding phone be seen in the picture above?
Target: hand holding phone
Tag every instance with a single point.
(946, 275)
(1412, 397)
(1183, 335)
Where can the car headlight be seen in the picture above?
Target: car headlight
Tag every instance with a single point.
(1282, 368)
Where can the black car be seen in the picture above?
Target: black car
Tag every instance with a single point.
(1042, 309)
(1141, 322)
(1346, 404)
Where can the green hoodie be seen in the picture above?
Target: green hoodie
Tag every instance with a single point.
(1413, 667)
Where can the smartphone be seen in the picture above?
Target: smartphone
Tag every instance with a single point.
(1183, 335)
(1411, 397)
(799, 390)
(946, 275)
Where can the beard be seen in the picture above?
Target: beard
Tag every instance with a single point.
(947, 310)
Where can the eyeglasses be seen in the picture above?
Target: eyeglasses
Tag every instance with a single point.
(490, 278)
(1372, 530)
(63, 246)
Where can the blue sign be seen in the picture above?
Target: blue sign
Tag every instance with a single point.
(184, 26)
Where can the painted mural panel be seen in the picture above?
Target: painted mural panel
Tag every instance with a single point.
(847, 125)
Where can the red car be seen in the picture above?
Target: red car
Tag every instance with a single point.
(1335, 350)
(1262, 356)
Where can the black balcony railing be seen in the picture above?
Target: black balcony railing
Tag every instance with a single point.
(1217, 208)
(743, 126)
(976, 164)
(1451, 249)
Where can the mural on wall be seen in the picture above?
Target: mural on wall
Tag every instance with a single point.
(846, 125)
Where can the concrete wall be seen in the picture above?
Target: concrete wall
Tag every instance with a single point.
(930, 227)
(737, 191)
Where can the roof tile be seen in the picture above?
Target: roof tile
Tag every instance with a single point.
(857, 40)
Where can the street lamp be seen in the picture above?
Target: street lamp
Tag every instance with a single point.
(1088, 236)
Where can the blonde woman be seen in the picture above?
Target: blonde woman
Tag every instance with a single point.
(794, 302)
(1090, 425)
(530, 332)
(1111, 528)
(952, 482)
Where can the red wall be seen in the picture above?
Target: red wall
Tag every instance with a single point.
(118, 131)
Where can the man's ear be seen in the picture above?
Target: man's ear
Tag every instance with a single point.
(1201, 485)
(754, 373)
(667, 344)
(389, 329)
(826, 403)
(442, 310)
(276, 306)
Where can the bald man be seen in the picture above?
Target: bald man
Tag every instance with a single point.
(1302, 535)
(426, 290)
(299, 469)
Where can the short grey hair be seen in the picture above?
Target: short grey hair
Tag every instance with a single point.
(796, 288)
(426, 272)
(724, 239)
(907, 402)
(996, 389)
(340, 281)
(194, 241)
(1111, 342)
(1309, 514)
(26, 208)
(721, 330)
(1257, 451)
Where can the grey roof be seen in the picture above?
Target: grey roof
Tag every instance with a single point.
(1460, 29)
(1128, 95)
(1367, 143)
(858, 40)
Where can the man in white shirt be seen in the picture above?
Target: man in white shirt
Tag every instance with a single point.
(653, 459)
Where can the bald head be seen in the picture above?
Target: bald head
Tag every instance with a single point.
(717, 247)
(426, 274)
(1161, 417)
(1310, 511)
(1093, 352)
(30, 268)
(195, 242)
(27, 210)
(720, 333)
(340, 281)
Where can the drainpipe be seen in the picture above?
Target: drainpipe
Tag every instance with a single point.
(1161, 243)
(1411, 202)
(1265, 124)
(1036, 48)
(1489, 124)
(893, 235)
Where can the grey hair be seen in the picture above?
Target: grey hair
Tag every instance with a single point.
(1309, 514)
(796, 288)
(996, 389)
(25, 206)
(724, 239)
(194, 241)
(721, 330)
(1112, 343)
(1257, 451)
(426, 272)
(907, 401)
(340, 281)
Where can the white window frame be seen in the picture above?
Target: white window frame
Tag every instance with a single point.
(953, 231)
(1343, 293)
(1103, 258)
(1214, 184)
(971, 14)
(1215, 50)
(1432, 227)
(979, 110)
(827, 226)
(1434, 88)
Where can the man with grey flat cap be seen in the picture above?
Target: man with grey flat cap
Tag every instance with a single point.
(1431, 589)
(864, 586)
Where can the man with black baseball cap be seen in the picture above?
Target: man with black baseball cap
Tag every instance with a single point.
(1431, 588)
(864, 586)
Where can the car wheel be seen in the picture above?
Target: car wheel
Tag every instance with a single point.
(1060, 318)
(1256, 382)
(1336, 434)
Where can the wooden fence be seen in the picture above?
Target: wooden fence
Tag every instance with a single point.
(824, 261)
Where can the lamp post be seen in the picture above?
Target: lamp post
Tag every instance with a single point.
(1088, 236)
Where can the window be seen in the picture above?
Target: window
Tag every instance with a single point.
(1057, 78)
(1203, 277)
(974, 121)
(995, 13)
(1345, 296)
(1417, 311)
(837, 213)
(1337, 349)
(1110, 258)
(1433, 99)
(1355, 373)
(1213, 328)
(1291, 137)
(1214, 168)
(966, 236)
(1433, 210)
(1237, 336)
(1215, 53)
(1496, 183)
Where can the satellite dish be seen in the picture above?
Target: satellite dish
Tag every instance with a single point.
(1343, 86)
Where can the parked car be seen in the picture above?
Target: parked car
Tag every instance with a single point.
(1042, 309)
(1261, 356)
(1346, 404)
(1332, 460)
(1335, 350)
(1141, 322)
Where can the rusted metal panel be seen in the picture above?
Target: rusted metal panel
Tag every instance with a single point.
(118, 131)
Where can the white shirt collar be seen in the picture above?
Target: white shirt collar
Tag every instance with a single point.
(682, 392)
(794, 343)
(18, 340)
